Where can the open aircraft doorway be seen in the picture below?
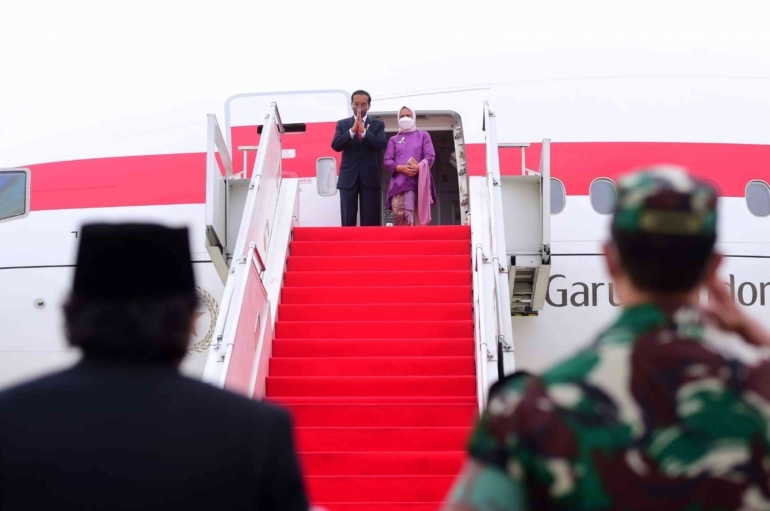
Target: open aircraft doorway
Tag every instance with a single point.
(449, 169)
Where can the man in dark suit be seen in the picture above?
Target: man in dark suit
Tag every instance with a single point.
(360, 140)
(123, 429)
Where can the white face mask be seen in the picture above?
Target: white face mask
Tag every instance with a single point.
(406, 123)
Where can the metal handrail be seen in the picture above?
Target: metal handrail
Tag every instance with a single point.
(246, 262)
(215, 190)
(521, 145)
(216, 143)
(493, 179)
(213, 373)
(496, 268)
(245, 253)
(245, 150)
(256, 176)
(480, 332)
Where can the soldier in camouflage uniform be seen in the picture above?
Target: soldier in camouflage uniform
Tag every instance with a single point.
(650, 416)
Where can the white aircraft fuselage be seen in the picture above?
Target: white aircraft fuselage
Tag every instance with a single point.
(599, 129)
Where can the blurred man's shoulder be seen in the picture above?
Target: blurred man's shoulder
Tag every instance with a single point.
(226, 399)
(35, 388)
(569, 371)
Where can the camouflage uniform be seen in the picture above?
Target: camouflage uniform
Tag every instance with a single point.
(649, 417)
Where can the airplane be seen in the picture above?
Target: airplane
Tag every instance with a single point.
(598, 127)
(566, 137)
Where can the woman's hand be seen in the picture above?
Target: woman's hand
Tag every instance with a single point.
(410, 170)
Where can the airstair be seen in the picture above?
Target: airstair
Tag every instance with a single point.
(377, 340)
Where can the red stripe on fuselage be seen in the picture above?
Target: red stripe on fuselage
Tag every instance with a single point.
(314, 143)
(122, 181)
(576, 164)
(180, 178)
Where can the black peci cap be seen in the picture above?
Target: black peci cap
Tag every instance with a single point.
(133, 261)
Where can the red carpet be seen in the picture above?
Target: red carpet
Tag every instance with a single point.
(373, 355)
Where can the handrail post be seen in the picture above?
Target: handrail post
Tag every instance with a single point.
(545, 172)
(216, 143)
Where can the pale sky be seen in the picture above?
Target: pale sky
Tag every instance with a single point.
(71, 63)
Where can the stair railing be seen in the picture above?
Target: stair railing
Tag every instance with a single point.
(245, 311)
(480, 332)
(496, 233)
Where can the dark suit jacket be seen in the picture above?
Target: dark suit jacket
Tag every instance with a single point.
(118, 436)
(359, 159)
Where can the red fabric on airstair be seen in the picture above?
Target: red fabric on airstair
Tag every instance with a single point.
(373, 356)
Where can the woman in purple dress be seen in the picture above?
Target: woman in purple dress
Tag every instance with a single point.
(408, 158)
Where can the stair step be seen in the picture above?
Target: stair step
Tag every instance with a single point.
(372, 366)
(379, 489)
(376, 312)
(368, 400)
(381, 439)
(374, 248)
(378, 262)
(378, 278)
(371, 386)
(373, 329)
(376, 506)
(449, 232)
(383, 414)
(372, 347)
(376, 295)
(382, 463)
(374, 359)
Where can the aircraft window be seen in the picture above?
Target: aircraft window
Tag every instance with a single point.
(758, 198)
(558, 196)
(14, 194)
(603, 195)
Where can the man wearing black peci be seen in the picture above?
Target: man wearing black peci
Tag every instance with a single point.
(123, 429)
(360, 140)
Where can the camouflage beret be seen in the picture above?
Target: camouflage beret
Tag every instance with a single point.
(665, 200)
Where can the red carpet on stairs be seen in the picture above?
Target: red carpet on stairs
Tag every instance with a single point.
(373, 356)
